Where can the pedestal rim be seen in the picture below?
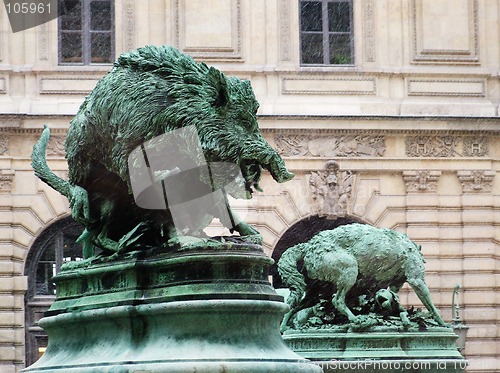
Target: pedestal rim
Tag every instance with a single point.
(195, 305)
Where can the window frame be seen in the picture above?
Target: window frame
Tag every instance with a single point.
(326, 34)
(86, 34)
(36, 304)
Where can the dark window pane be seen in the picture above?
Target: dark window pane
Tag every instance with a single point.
(52, 246)
(72, 251)
(44, 273)
(44, 284)
(100, 16)
(71, 15)
(340, 49)
(49, 254)
(311, 16)
(67, 7)
(339, 18)
(312, 48)
(101, 47)
(71, 47)
(45, 270)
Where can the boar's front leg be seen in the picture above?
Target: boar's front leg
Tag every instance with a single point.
(231, 220)
(248, 232)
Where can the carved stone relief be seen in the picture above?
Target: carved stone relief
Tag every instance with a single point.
(421, 181)
(56, 146)
(369, 28)
(477, 181)
(129, 26)
(431, 146)
(284, 18)
(475, 146)
(330, 146)
(4, 144)
(43, 42)
(331, 190)
(446, 146)
(6, 178)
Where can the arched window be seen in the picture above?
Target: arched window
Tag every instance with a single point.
(53, 247)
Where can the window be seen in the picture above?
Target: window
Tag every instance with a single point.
(55, 246)
(86, 31)
(326, 32)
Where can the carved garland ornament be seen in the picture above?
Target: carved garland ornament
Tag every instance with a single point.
(129, 24)
(369, 31)
(4, 144)
(285, 46)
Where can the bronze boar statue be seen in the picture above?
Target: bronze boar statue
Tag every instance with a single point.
(150, 92)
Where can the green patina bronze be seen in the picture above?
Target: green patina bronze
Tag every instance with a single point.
(368, 264)
(344, 305)
(150, 92)
(152, 301)
(193, 309)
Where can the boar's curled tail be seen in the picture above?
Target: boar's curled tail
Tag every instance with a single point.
(42, 170)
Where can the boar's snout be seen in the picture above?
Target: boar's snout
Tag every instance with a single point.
(283, 177)
(257, 154)
(278, 170)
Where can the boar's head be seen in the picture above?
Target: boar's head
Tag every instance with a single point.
(236, 137)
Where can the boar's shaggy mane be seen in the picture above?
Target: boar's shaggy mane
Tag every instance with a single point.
(150, 92)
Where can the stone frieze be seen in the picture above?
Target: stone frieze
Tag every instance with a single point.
(330, 146)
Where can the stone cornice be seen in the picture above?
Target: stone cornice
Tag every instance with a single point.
(16, 124)
(375, 131)
(12, 131)
(366, 124)
(379, 117)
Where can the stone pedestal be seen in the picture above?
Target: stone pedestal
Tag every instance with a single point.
(199, 309)
(430, 351)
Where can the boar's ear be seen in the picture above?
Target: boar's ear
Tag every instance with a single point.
(218, 80)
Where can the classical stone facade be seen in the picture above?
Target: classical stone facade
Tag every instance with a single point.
(407, 137)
